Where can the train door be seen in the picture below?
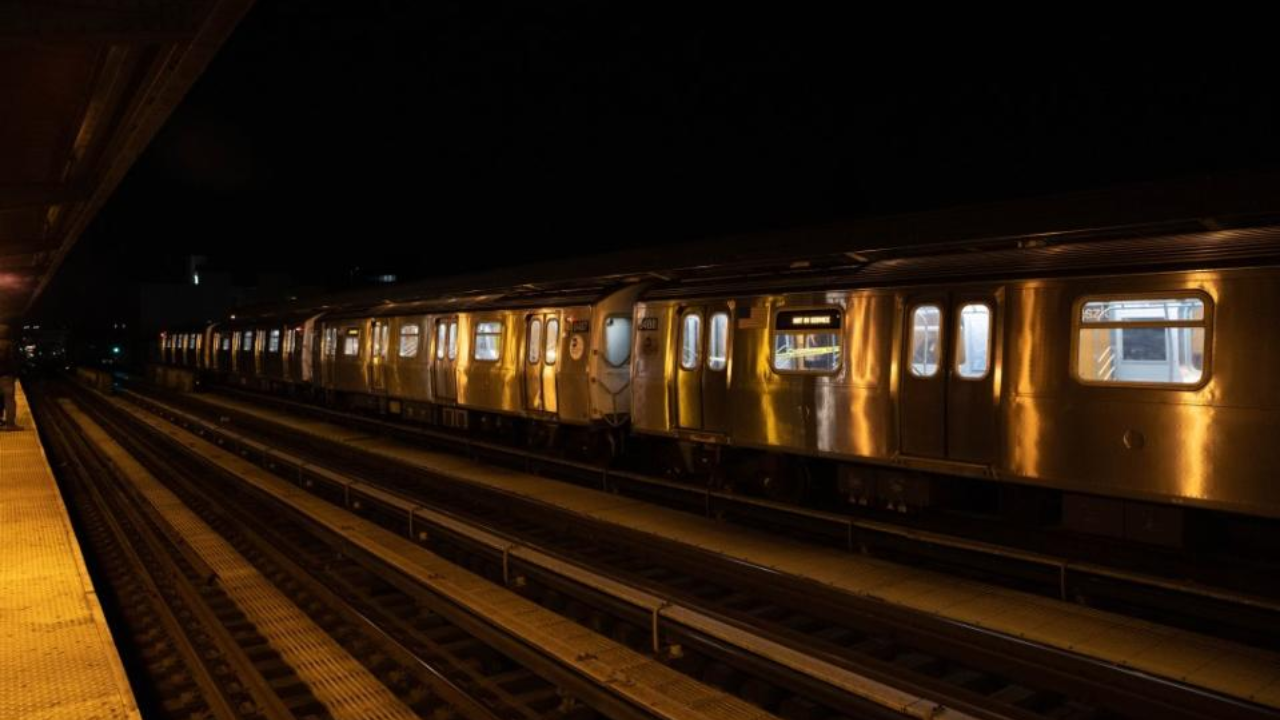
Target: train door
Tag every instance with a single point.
(444, 382)
(328, 356)
(947, 405)
(259, 348)
(308, 350)
(288, 346)
(541, 348)
(378, 340)
(702, 368)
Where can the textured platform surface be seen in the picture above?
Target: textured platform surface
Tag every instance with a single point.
(57, 657)
(347, 689)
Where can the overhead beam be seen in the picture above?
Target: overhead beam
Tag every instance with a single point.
(172, 75)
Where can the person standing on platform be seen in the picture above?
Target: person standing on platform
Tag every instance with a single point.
(8, 379)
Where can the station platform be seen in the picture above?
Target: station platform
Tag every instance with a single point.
(57, 656)
(1197, 660)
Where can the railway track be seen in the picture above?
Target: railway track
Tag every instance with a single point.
(1142, 582)
(201, 650)
(572, 568)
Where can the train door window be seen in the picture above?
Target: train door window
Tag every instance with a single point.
(442, 330)
(409, 340)
(246, 341)
(273, 342)
(453, 340)
(690, 341)
(973, 341)
(351, 342)
(617, 340)
(226, 342)
(553, 341)
(926, 340)
(718, 341)
(535, 340)
(330, 342)
(1142, 340)
(806, 341)
(488, 341)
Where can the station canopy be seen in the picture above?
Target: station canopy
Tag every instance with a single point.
(84, 86)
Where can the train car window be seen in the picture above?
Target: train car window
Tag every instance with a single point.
(246, 341)
(535, 341)
(273, 342)
(690, 341)
(330, 342)
(226, 342)
(973, 341)
(488, 341)
(718, 342)
(926, 340)
(553, 341)
(807, 341)
(453, 340)
(617, 340)
(1142, 340)
(441, 331)
(409, 340)
(351, 342)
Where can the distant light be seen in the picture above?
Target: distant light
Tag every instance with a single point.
(233, 317)
(115, 349)
(385, 278)
(195, 278)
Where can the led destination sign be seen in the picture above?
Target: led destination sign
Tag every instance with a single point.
(808, 320)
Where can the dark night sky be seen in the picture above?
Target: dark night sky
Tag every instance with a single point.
(422, 137)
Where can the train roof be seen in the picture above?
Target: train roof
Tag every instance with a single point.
(1197, 222)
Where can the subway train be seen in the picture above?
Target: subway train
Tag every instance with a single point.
(1115, 383)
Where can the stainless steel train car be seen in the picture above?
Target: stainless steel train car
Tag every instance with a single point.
(1143, 385)
(1129, 376)
(557, 357)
